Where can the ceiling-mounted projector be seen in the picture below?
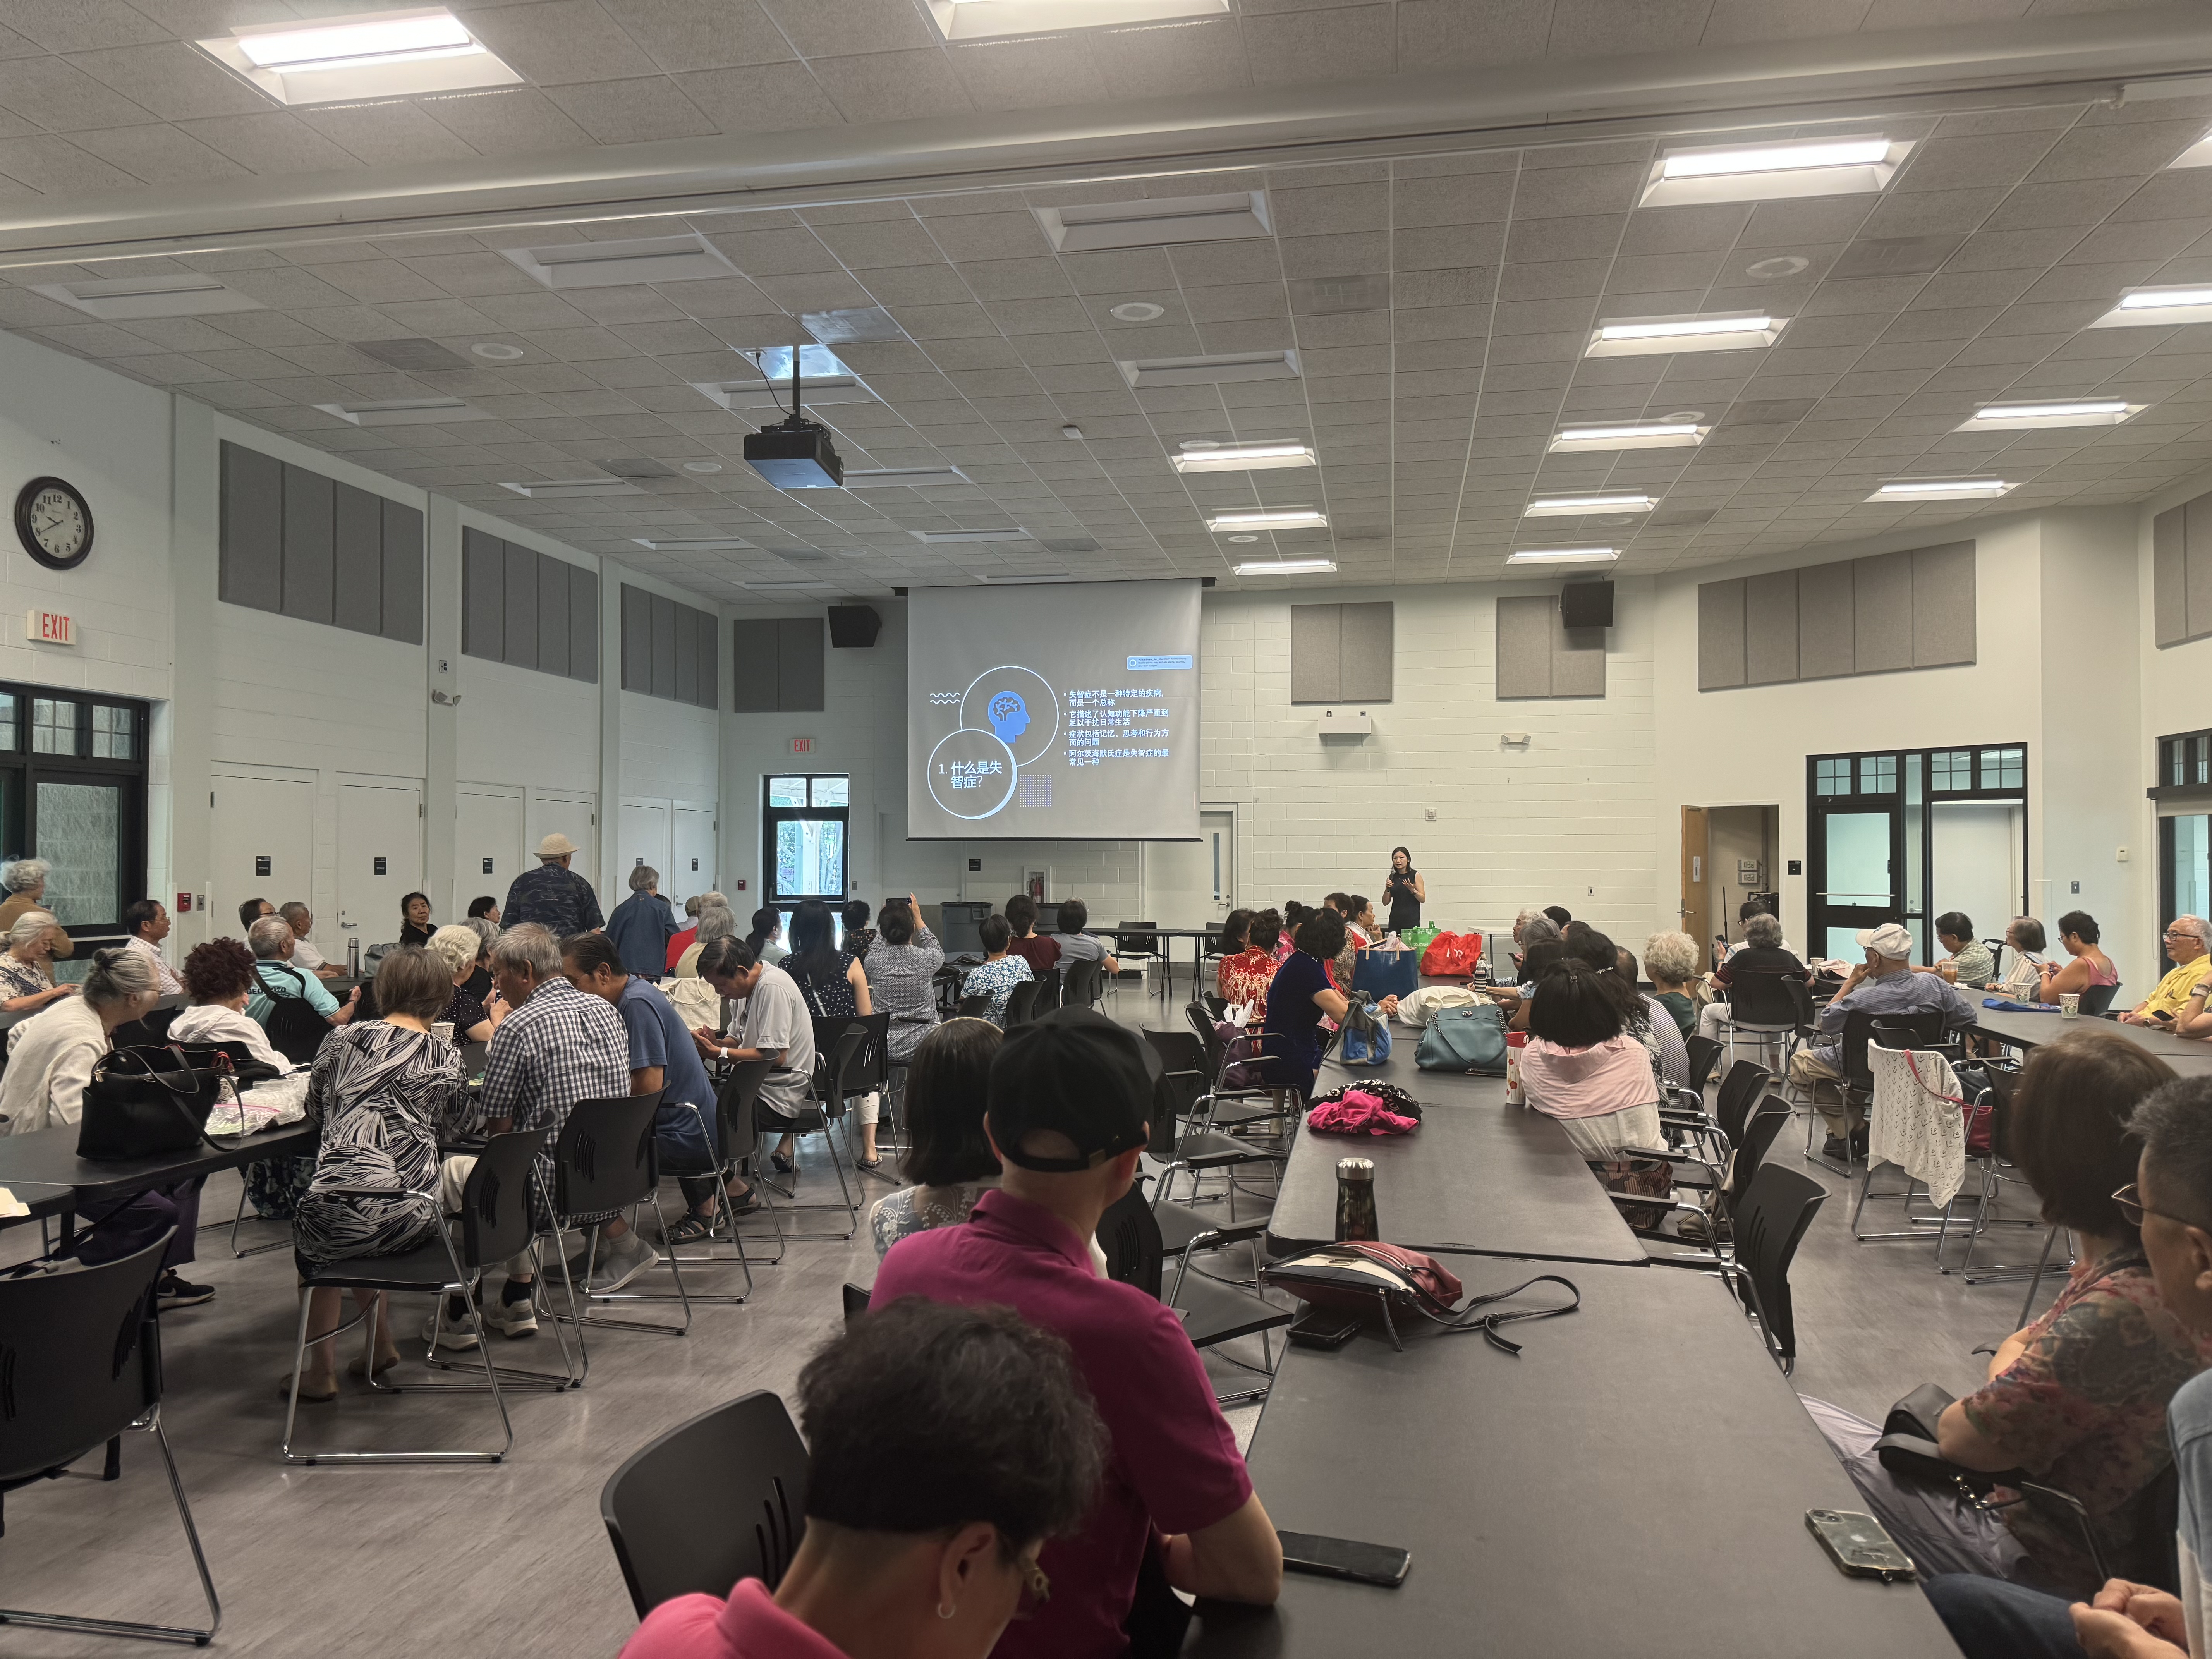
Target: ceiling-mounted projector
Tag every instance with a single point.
(796, 454)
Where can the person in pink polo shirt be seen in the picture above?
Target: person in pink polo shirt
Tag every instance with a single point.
(944, 1445)
(1070, 1097)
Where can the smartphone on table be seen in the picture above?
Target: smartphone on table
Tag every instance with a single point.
(1344, 1558)
(1858, 1546)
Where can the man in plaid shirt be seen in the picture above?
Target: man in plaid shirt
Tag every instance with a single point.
(551, 1046)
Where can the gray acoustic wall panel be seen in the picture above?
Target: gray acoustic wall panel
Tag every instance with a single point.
(524, 608)
(661, 682)
(1577, 659)
(798, 647)
(1364, 651)
(251, 564)
(1525, 626)
(1722, 623)
(309, 508)
(521, 607)
(2168, 578)
(687, 656)
(553, 617)
(664, 646)
(1881, 614)
(583, 624)
(358, 560)
(636, 640)
(710, 657)
(1769, 627)
(1317, 653)
(1943, 627)
(404, 554)
(753, 673)
(2196, 564)
(484, 588)
(295, 542)
(1825, 645)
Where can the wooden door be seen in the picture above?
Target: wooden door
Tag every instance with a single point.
(1697, 886)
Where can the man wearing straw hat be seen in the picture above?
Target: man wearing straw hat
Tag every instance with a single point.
(553, 895)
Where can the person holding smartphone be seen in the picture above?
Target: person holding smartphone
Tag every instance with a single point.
(2185, 938)
(1404, 891)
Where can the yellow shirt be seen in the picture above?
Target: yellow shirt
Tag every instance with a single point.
(2174, 990)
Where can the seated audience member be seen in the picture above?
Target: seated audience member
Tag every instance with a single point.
(1244, 977)
(2184, 943)
(641, 924)
(459, 949)
(1299, 997)
(764, 941)
(1671, 959)
(1582, 1066)
(1235, 927)
(856, 918)
(478, 984)
(1559, 916)
(551, 1047)
(948, 1156)
(1651, 1024)
(27, 966)
(250, 911)
(25, 883)
(49, 1060)
(1041, 952)
(384, 1091)
(2078, 1399)
(1286, 942)
(1360, 920)
(275, 977)
(415, 928)
(1000, 970)
(1070, 1097)
(218, 977)
(681, 940)
(933, 1564)
(1744, 913)
(663, 1057)
(1763, 952)
(486, 909)
(902, 966)
(2023, 975)
(2090, 967)
(774, 1026)
(1954, 932)
(145, 925)
(830, 978)
(1530, 929)
(715, 921)
(301, 920)
(553, 895)
(1076, 946)
(1883, 984)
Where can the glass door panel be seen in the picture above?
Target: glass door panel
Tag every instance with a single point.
(1857, 845)
(810, 860)
(80, 834)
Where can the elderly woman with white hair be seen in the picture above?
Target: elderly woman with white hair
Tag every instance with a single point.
(27, 966)
(715, 921)
(642, 925)
(459, 951)
(1763, 952)
(1671, 959)
(25, 881)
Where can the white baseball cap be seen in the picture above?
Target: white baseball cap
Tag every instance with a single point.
(1890, 941)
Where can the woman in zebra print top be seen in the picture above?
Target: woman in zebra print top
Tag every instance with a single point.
(382, 1090)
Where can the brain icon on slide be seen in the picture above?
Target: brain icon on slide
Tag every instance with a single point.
(1018, 706)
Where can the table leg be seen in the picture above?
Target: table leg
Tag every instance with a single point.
(69, 1232)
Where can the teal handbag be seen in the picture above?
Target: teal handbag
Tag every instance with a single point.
(1471, 1039)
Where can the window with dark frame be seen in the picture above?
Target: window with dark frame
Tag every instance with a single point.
(804, 842)
(73, 792)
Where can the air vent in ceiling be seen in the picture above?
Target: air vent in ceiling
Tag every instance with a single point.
(637, 466)
(126, 298)
(1007, 534)
(416, 355)
(614, 264)
(564, 489)
(1069, 544)
(796, 554)
(1320, 296)
(1894, 256)
(1144, 373)
(910, 477)
(407, 411)
(1160, 222)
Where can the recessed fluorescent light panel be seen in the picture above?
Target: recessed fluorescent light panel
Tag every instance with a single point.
(2199, 154)
(2029, 417)
(126, 298)
(1575, 507)
(1010, 533)
(389, 54)
(1225, 369)
(1271, 518)
(1243, 457)
(1629, 435)
(1563, 556)
(1766, 172)
(617, 264)
(407, 411)
(822, 379)
(1038, 576)
(691, 543)
(896, 477)
(1641, 337)
(2149, 307)
(1286, 567)
(556, 489)
(786, 588)
(1940, 489)
(1161, 221)
(984, 20)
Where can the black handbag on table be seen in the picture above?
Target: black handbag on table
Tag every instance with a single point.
(144, 1103)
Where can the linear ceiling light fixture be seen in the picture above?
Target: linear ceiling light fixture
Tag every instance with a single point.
(127, 299)
(1632, 435)
(2028, 417)
(1271, 518)
(1563, 556)
(1158, 222)
(786, 587)
(691, 543)
(2152, 308)
(620, 262)
(1940, 489)
(564, 488)
(407, 411)
(1225, 368)
(390, 54)
(894, 477)
(1766, 172)
(982, 20)
(1575, 507)
(1286, 566)
(1008, 533)
(1243, 457)
(1641, 337)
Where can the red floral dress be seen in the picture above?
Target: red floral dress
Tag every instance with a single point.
(1244, 978)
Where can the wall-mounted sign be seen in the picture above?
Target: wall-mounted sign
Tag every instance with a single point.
(802, 745)
(49, 627)
(261, 863)
(487, 866)
(379, 866)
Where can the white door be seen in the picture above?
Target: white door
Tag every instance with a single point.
(694, 855)
(644, 841)
(264, 846)
(487, 841)
(1976, 866)
(380, 858)
(1192, 884)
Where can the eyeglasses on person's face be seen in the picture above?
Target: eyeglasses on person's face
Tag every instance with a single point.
(2133, 1209)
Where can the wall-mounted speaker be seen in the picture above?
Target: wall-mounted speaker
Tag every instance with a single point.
(854, 627)
(1581, 605)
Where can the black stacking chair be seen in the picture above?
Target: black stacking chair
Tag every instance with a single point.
(712, 1501)
(1761, 1009)
(1048, 994)
(1704, 1056)
(855, 1300)
(81, 1364)
(1770, 1222)
(1183, 1087)
(1136, 942)
(1082, 984)
(605, 1160)
(838, 1045)
(1212, 1312)
(731, 1134)
(1021, 1004)
(975, 1007)
(1229, 1109)
(495, 1224)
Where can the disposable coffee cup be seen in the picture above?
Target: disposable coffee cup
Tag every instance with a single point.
(1949, 970)
(443, 1029)
(2069, 1005)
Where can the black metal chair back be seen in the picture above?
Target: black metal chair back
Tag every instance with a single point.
(149, 1031)
(1756, 999)
(1136, 938)
(873, 1064)
(1770, 1221)
(604, 1159)
(1048, 994)
(1130, 1235)
(1081, 984)
(80, 1360)
(2098, 999)
(495, 1221)
(1739, 1097)
(2004, 1094)
(1217, 1007)
(1904, 1031)
(735, 1098)
(1759, 1134)
(975, 1007)
(1704, 1055)
(834, 1067)
(712, 1501)
(1801, 999)
(1184, 1082)
(1021, 1004)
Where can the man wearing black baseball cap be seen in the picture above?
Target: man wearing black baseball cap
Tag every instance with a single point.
(1072, 1099)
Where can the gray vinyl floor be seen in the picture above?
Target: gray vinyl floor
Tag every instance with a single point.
(512, 1557)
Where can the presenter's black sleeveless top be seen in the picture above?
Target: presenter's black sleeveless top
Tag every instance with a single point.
(1405, 908)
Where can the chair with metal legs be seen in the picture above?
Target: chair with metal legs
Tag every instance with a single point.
(605, 1160)
(494, 1226)
(727, 1127)
(81, 1364)
(1213, 1311)
(822, 1113)
(1135, 942)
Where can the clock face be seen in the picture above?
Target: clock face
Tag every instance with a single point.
(54, 523)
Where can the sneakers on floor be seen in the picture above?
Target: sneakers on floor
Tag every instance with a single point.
(621, 1260)
(448, 1329)
(174, 1293)
(512, 1319)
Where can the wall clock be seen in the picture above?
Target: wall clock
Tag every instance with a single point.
(54, 523)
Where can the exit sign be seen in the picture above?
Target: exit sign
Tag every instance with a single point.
(799, 745)
(49, 627)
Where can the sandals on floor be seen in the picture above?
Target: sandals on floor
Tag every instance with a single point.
(308, 1396)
